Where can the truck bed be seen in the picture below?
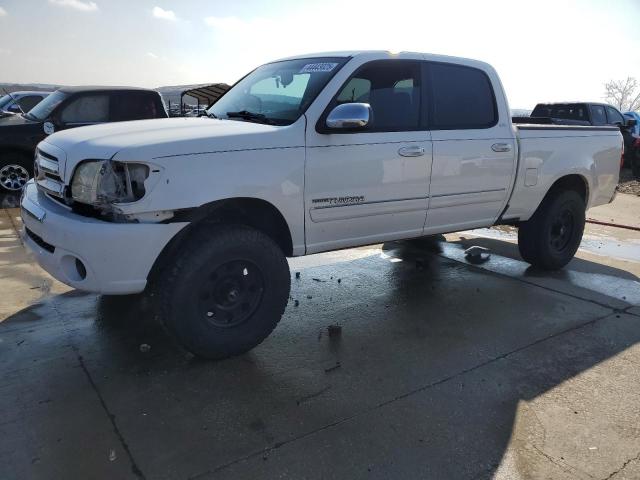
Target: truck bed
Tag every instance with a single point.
(547, 152)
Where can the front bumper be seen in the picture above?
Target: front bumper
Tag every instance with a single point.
(116, 258)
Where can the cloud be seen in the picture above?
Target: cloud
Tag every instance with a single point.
(3, 12)
(164, 14)
(76, 4)
(152, 55)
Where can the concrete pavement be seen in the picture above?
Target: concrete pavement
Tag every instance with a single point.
(442, 369)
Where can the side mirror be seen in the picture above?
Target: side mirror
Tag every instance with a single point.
(48, 127)
(632, 122)
(349, 116)
(15, 108)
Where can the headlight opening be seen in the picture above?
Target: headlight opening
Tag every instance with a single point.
(104, 182)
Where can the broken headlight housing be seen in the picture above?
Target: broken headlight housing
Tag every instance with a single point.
(103, 182)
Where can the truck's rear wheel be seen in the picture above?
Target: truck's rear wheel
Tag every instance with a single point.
(15, 170)
(551, 237)
(226, 291)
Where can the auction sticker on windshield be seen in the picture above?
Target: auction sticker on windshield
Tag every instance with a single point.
(318, 67)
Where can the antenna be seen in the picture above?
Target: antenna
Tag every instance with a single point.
(12, 98)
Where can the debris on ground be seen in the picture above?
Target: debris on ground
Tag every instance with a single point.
(296, 303)
(112, 455)
(318, 280)
(332, 368)
(297, 274)
(334, 330)
(476, 254)
(628, 184)
(309, 297)
(145, 347)
(339, 280)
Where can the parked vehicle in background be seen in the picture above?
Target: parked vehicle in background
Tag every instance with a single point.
(632, 151)
(578, 113)
(635, 130)
(68, 107)
(584, 113)
(304, 155)
(18, 102)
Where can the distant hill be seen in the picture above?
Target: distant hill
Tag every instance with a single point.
(16, 87)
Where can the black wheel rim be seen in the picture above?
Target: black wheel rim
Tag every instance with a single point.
(562, 228)
(231, 294)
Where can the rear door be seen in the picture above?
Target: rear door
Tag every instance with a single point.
(370, 185)
(473, 148)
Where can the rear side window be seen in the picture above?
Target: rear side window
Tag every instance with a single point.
(462, 98)
(598, 116)
(563, 111)
(614, 116)
(392, 88)
(133, 106)
(87, 109)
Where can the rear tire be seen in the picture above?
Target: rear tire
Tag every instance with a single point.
(16, 168)
(226, 291)
(551, 237)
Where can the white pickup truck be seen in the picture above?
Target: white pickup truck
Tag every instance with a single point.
(304, 155)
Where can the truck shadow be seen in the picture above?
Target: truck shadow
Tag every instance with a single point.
(438, 368)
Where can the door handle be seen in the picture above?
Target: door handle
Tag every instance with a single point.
(414, 151)
(501, 147)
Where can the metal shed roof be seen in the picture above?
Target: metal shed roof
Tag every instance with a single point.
(206, 94)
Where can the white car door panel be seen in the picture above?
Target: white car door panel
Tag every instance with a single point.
(363, 193)
(469, 182)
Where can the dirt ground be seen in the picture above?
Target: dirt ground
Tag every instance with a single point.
(628, 183)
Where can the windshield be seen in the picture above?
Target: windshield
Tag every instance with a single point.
(4, 101)
(277, 93)
(42, 110)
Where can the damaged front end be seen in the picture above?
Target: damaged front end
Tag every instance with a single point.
(107, 189)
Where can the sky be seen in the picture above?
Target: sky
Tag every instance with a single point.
(544, 50)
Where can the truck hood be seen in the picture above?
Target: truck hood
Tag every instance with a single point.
(168, 137)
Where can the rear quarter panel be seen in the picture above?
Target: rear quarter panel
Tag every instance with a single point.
(548, 154)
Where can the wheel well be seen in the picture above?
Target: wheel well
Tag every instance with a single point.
(252, 212)
(21, 151)
(573, 182)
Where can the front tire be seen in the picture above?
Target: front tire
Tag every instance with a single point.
(16, 168)
(551, 237)
(226, 291)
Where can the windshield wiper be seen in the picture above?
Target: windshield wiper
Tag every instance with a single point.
(211, 115)
(251, 116)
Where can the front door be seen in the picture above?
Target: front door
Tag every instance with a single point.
(367, 186)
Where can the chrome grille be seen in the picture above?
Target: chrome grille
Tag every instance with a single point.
(47, 173)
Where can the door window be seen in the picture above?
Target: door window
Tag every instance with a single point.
(462, 98)
(614, 116)
(392, 88)
(598, 116)
(87, 109)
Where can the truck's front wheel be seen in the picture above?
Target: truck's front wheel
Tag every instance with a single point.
(226, 291)
(551, 237)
